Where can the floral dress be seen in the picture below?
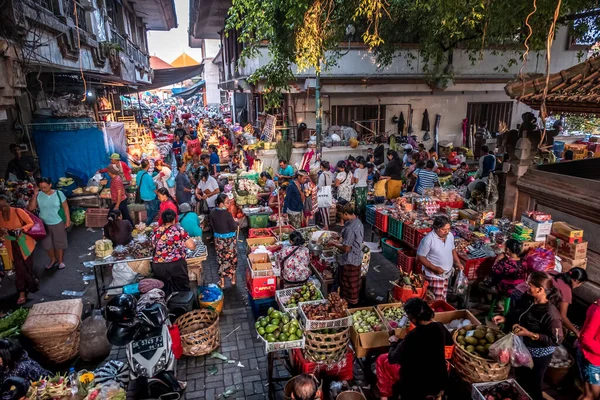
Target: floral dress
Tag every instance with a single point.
(344, 190)
(169, 265)
(296, 267)
(507, 274)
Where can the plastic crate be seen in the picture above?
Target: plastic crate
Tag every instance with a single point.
(421, 233)
(370, 215)
(96, 217)
(395, 228)
(340, 371)
(314, 325)
(258, 220)
(478, 268)
(406, 260)
(259, 232)
(478, 388)
(285, 229)
(441, 306)
(261, 306)
(406, 293)
(409, 234)
(390, 251)
(381, 221)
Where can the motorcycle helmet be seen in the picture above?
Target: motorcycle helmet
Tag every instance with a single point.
(154, 315)
(120, 308)
(120, 334)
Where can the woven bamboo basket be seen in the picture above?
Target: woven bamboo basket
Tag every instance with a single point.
(53, 328)
(326, 347)
(195, 262)
(199, 330)
(142, 267)
(473, 368)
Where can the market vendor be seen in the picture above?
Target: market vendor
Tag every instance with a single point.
(15, 362)
(267, 183)
(118, 230)
(286, 171)
(352, 236)
(536, 319)
(276, 199)
(189, 220)
(393, 175)
(507, 271)
(293, 205)
(415, 368)
(167, 202)
(117, 193)
(305, 388)
(438, 255)
(588, 353)
(122, 167)
(21, 167)
(294, 260)
(426, 178)
(215, 163)
(170, 241)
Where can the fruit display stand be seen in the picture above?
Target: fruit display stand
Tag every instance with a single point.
(373, 338)
(284, 296)
(395, 323)
(313, 325)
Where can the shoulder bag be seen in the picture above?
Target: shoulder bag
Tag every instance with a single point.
(138, 194)
(38, 230)
(61, 210)
(324, 196)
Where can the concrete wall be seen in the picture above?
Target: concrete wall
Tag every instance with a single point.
(211, 76)
(451, 105)
(211, 47)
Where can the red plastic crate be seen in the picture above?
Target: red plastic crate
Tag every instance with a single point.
(441, 306)
(381, 221)
(408, 234)
(405, 294)
(253, 233)
(96, 217)
(419, 236)
(406, 260)
(341, 371)
(478, 268)
(451, 204)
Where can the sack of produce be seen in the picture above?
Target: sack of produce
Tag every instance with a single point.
(122, 275)
(511, 349)
(94, 345)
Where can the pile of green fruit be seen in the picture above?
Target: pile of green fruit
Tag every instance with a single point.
(306, 292)
(278, 327)
(365, 321)
(478, 341)
(395, 316)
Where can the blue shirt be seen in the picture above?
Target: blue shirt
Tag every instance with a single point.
(293, 199)
(50, 206)
(214, 160)
(190, 223)
(287, 171)
(425, 180)
(146, 185)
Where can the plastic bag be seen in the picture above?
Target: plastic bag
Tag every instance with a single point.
(94, 180)
(94, 345)
(122, 275)
(511, 349)
(461, 284)
(539, 260)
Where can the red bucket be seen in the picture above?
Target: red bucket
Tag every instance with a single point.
(404, 294)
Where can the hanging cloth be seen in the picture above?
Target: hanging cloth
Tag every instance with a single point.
(425, 124)
(401, 124)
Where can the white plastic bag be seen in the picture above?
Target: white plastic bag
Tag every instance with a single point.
(122, 275)
(94, 180)
(461, 284)
(511, 349)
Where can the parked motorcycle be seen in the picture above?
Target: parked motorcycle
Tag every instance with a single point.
(142, 326)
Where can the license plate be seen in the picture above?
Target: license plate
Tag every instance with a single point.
(149, 344)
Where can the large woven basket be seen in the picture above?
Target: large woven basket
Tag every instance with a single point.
(326, 347)
(199, 330)
(142, 267)
(474, 369)
(53, 328)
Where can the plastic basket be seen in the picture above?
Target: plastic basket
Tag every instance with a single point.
(406, 260)
(395, 228)
(405, 294)
(278, 346)
(285, 229)
(313, 325)
(258, 220)
(478, 388)
(96, 217)
(261, 306)
(441, 306)
(370, 215)
(476, 268)
(339, 371)
(283, 295)
(381, 221)
(420, 234)
(259, 232)
(390, 251)
(408, 234)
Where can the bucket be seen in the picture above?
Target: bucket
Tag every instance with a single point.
(555, 376)
(289, 388)
(350, 395)
(216, 305)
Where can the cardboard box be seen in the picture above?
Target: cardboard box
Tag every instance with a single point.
(363, 342)
(260, 262)
(540, 229)
(255, 242)
(567, 232)
(446, 317)
(532, 245)
(261, 287)
(552, 243)
(576, 251)
(468, 214)
(399, 332)
(569, 263)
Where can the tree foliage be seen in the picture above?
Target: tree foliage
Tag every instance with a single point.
(308, 33)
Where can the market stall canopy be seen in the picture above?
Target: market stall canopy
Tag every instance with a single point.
(184, 61)
(170, 76)
(186, 93)
(574, 90)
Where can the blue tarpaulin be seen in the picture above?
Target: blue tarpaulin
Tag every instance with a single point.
(81, 149)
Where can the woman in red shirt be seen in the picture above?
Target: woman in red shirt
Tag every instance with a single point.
(117, 193)
(588, 353)
(167, 202)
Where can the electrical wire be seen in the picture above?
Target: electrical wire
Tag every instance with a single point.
(80, 55)
(526, 53)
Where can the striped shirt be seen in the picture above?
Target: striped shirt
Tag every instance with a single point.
(425, 180)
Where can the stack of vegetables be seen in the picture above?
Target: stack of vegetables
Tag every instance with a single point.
(278, 327)
(10, 325)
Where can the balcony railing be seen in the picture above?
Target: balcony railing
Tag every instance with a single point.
(128, 48)
(69, 7)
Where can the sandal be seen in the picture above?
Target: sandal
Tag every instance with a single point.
(61, 266)
(21, 301)
(233, 281)
(221, 284)
(52, 265)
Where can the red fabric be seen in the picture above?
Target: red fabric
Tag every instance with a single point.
(590, 335)
(387, 375)
(439, 288)
(116, 184)
(167, 205)
(176, 339)
(124, 167)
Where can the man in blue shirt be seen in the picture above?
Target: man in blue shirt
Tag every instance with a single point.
(487, 162)
(147, 189)
(286, 171)
(293, 205)
(214, 160)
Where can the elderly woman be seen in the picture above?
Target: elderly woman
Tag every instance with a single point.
(350, 260)
(14, 225)
(225, 228)
(170, 242)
